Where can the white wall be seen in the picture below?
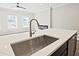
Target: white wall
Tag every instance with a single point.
(4, 16)
(66, 17)
(43, 16)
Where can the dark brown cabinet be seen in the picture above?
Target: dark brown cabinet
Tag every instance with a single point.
(72, 45)
(61, 51)
(68, 48)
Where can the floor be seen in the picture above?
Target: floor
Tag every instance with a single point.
(77, 49)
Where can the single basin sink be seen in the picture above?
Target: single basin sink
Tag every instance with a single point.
(28, 47)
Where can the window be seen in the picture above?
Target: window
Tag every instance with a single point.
(12, 21)
(25, 21)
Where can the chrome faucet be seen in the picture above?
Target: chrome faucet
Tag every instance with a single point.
(31, 26)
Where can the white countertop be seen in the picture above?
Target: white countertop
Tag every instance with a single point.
(62, 34)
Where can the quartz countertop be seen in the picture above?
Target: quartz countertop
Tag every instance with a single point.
(62, 34)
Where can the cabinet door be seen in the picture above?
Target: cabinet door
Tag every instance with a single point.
(62, 51)
(72, 46)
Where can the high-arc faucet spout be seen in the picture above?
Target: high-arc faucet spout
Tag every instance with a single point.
(31, 26)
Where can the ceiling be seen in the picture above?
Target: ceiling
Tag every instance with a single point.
(31, 7)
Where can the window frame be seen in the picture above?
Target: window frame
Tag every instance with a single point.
(25, 23)
(12, 25)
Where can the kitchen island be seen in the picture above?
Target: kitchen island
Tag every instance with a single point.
(65, 38)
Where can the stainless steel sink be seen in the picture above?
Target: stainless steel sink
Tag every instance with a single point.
(28, 47)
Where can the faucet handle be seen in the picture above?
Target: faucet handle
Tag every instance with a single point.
(33, 32)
